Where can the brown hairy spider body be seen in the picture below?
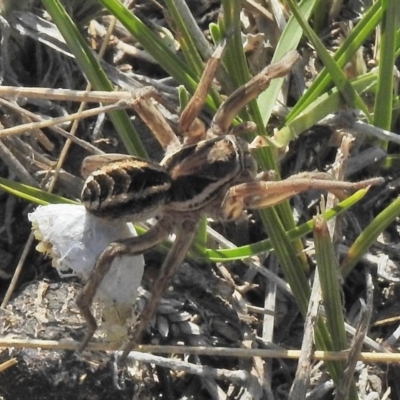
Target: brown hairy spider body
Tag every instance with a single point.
(214, 177)
(187, 184)
(133, 189)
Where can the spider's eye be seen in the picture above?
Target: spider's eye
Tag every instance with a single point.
(250, 166)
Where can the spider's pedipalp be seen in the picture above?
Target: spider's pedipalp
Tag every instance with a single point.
(262, 194)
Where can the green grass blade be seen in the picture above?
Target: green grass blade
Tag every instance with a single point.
(32, 194)
(154, 45)
(384, 94)
(94, 73)
(397, 52)
(298, 282)
(352, 43)
(326, 104)
(264, 246)
(158, 49)
(321, 15)
(351, 97)
(329, 275)
(238, 71)
(185, 38)
(288, 260)
(369, 235)
(237, 68)
(289, 40)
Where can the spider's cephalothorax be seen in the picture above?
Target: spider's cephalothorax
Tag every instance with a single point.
(186, 180)
(203, 172)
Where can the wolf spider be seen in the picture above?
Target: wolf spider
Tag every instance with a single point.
(210, 174)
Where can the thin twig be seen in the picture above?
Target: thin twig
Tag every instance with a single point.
(18, 270)
(82, 143)
(16, 130)
(367, 357)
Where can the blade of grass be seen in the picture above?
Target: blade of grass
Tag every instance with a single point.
(154, 45)
(94, 73)
(278, 219)
(321, 15)
(289, 40)
(264, 246)
(368, 236)
(287, 252)
(185, 39)
(384, 93)
(327, 103)
(397, 53)
(158, 49)
(342, 83)
(352, 43)
(298, 282)
(329, 276)
(238, 71)
(32, 194)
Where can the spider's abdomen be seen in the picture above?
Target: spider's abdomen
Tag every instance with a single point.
(130, 188)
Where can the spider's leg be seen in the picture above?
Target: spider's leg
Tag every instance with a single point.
(131, 246)
(184, 237)
(143, 104)
(243, 95)
(261, 194)
(192, 129)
